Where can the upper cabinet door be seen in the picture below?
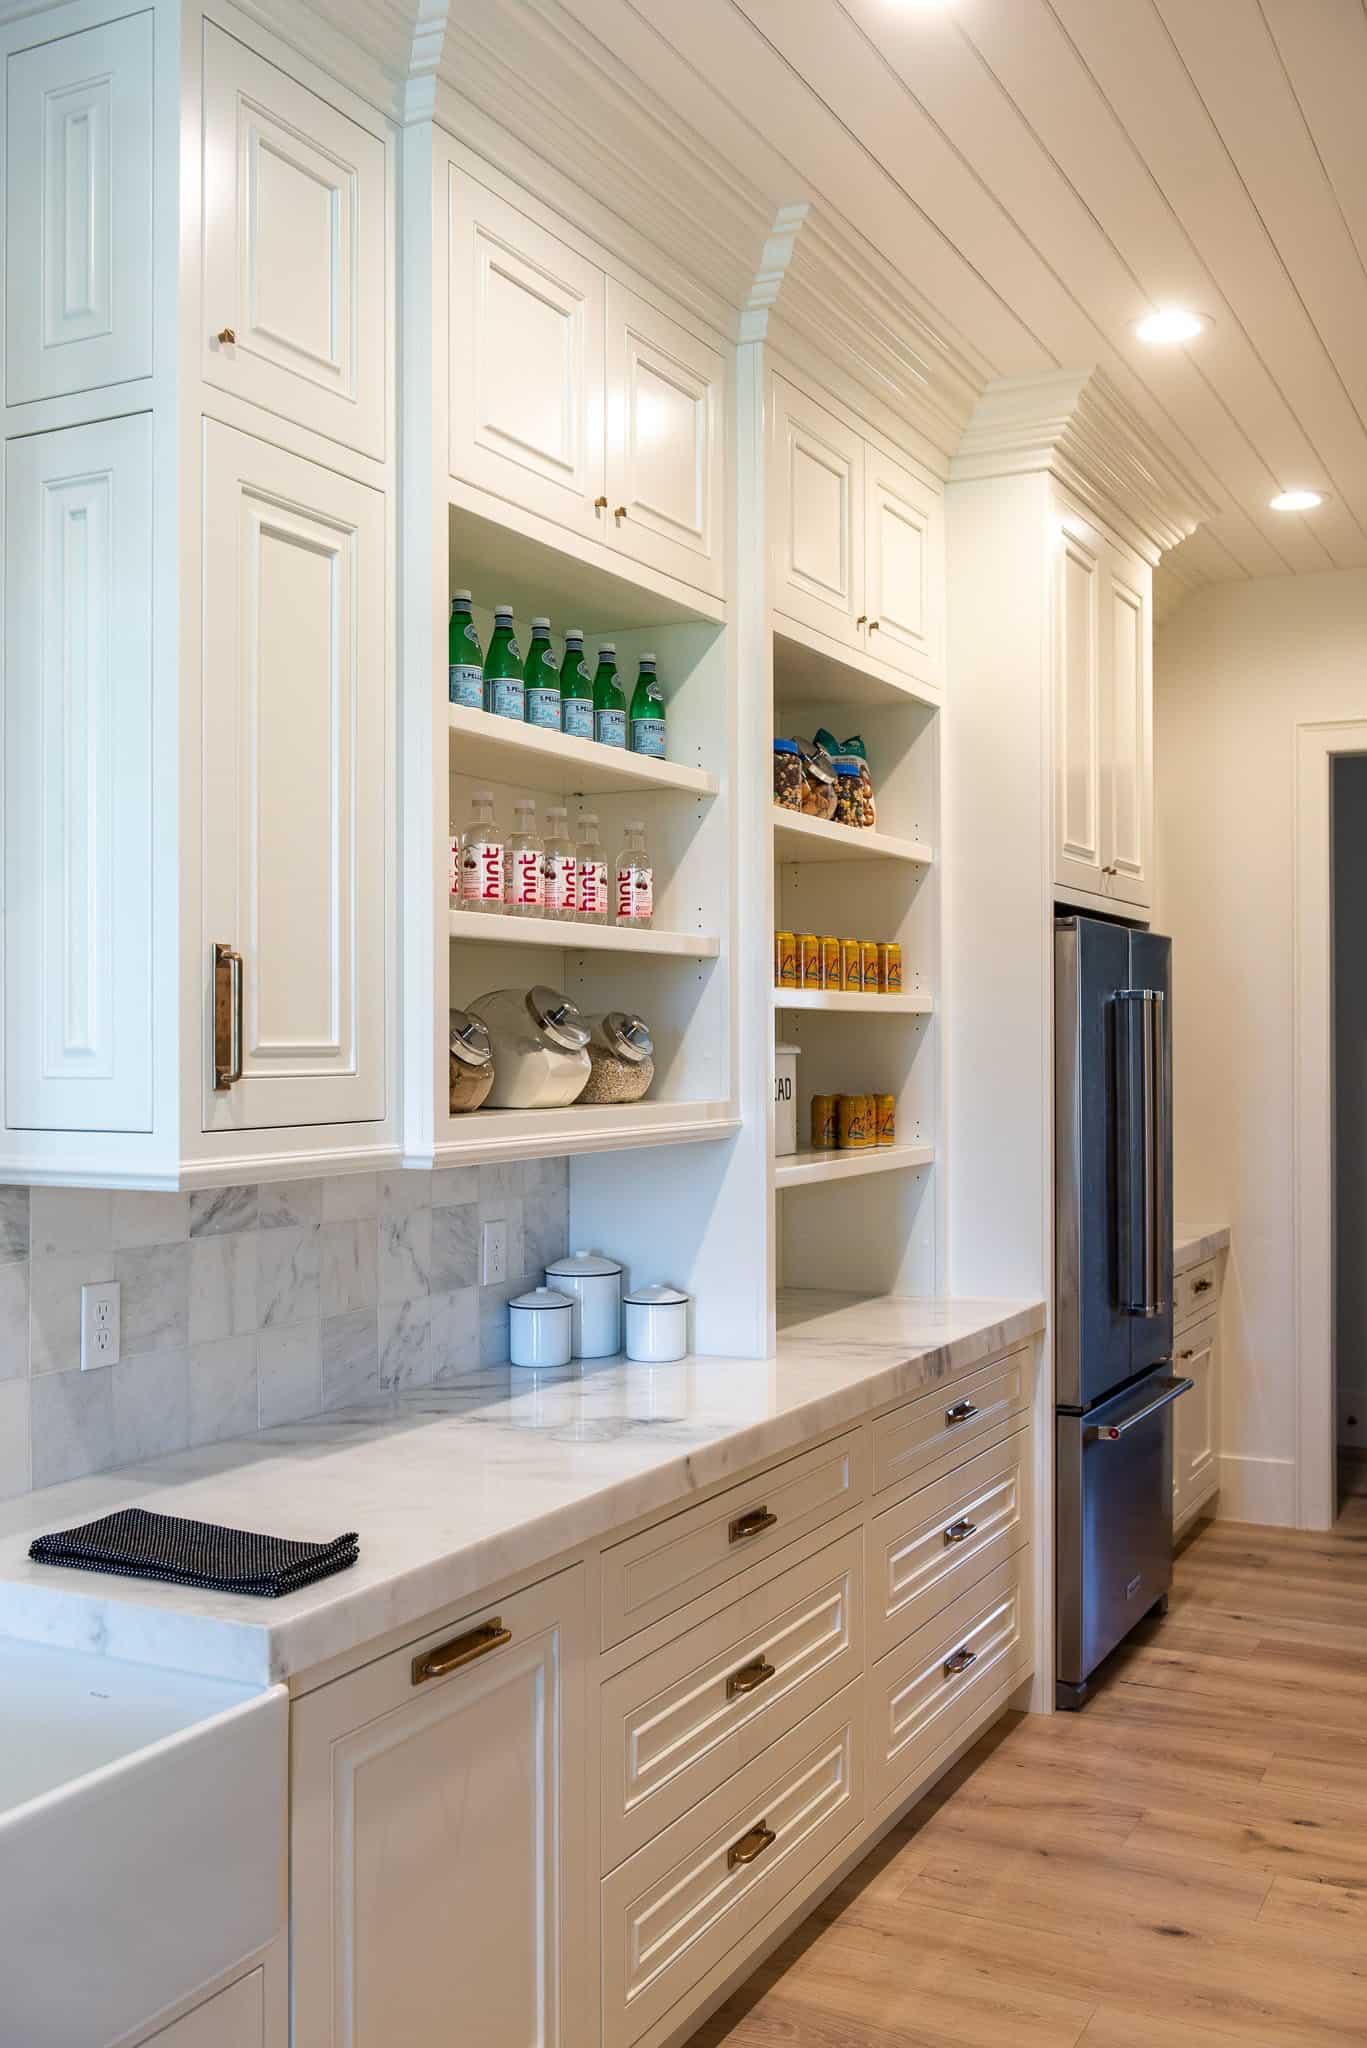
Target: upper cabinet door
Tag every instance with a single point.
(817, 504)
(1127, 790)
(903, 553)
(1078, 706)
(78, 266)
(526, 363)
(294, 787)
(666, 403)
(78, 778)
(294, 250)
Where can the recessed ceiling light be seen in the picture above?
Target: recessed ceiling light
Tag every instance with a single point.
(1296, 501)
(1169, 325)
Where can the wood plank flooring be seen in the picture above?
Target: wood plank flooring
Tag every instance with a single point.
(1183, 1865)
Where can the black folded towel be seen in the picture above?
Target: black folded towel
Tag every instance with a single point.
(139, 1545)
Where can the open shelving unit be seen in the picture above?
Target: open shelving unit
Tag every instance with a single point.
(802, 839)
(916, 1004)
(490, 929)
(807, 1168)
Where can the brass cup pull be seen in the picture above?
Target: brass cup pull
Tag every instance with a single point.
(749, 1678)
(227, 1017)
(962, 1411)
(960, 1661)
(959, 1532)
(461, 1650)
(751, 1845)
(226, 335)
(753, 1523)
(1203, 1287)
(600, 504)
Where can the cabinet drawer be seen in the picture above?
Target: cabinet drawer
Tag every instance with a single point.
(935, 1433)
(686, 1718)
(656, 1572)
(675, 1910)
(1196, 1293)
(930, 1548)
(924, 1693)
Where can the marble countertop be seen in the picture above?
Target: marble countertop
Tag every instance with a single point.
(1194, 1247)
(457, 1486)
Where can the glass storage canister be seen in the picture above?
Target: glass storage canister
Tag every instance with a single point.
(788, 776)
(540, 1328)
(539, 1041)
(471, 1062)
(621, 1056)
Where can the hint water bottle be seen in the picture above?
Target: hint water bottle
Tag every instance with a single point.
(524, 885)
(634, 893)
(481, 857)
(561, 866)
(592, 872)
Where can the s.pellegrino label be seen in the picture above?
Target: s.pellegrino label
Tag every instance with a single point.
(648, 713)
(610, 727)
(465, 663)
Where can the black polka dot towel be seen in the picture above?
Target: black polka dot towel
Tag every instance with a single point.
(139, 1545)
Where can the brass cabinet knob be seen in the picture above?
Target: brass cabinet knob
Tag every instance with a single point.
(873, 625)
(619, 511)
(226, 334)
(600, 504)
(862, 620)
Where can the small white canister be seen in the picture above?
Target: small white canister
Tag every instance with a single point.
(540, 1328)
(656, 1321)
(785, 1098)
(594, 1285)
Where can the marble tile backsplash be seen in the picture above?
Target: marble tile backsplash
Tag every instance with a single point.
(247, 1306)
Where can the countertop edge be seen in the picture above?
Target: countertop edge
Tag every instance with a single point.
(1196, 1249)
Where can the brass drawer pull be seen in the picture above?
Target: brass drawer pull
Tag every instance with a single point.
(960, 1531)
(1203, 1287)
(753, 1523)
(749, 1678)
(751, 1845)
(962, 1411)
(1186, 1355)
(960, 1661)
(461, 1650)
(227, 1017)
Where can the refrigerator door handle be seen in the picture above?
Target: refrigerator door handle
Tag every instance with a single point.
(1156, 1077)
(1141, 1044)
(1112, 1432)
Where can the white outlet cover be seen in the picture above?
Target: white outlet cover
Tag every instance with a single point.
(101, 1317)
(493, 1253)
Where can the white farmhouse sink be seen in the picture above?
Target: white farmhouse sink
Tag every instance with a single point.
(142, 1839)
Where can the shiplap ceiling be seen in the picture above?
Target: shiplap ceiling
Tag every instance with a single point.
(1044, 172)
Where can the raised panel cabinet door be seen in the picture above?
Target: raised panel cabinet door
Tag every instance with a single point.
(78, 778)
(441, 1882)
(818, 502)
(666, 407)
(295, 289)
(1078, 707)
(78, 212)
(526, 362)
(1196, 1418)
(295, 782)
(904, 561)
(1128, 784)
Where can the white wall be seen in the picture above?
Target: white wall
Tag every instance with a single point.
(1350, 1094)
(1238, 668)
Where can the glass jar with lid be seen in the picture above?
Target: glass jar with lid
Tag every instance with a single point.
(539, 1043)
(621, 1056)
(471, 1062)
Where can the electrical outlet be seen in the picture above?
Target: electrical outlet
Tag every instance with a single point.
(493, 1254)
(99, 1324)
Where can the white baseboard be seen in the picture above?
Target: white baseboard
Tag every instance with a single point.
(1258, 1490)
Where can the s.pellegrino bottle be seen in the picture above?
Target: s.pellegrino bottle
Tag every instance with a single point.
(541, 683)
(465, 665)
(648, 712)
(609, 705)
(503, 687)
(576, 690)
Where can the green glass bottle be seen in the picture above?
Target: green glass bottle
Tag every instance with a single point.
(465, 669)
(541, 684)
(503, 691)
(609, 705)
(648, 712)
(576, 690)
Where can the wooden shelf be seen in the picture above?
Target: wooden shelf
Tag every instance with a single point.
(494, 1134)
(498, 930)
(506, 751)
(816, 839)
(850, 999)
(811, 667)
(805, 1169)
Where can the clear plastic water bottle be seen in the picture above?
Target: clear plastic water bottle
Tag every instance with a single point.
(592, 872)
(634, 888)
(481, 857)
(524, 884)
(561, 866)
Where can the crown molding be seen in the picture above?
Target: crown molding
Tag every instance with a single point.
(1075, 425)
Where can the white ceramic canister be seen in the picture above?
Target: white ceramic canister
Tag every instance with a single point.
(540, 1328)
(785, 1098)
(594, 1285)
(656, 1321)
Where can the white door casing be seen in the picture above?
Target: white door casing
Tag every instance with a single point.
(78, 778)
(817, 474)
(294, 781)
(666, 404)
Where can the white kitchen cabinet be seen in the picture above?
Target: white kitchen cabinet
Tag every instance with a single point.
(294, 300)
(294, 788)
(904, 566)
(1127, 762)
(1196, 1419)
(1078, 857)
(441, 1864)
(78, 215)
(78, 778)
(666, 409)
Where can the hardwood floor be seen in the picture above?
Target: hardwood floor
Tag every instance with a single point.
(1183, 1865)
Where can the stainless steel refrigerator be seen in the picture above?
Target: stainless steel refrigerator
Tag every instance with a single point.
(1113, 1289)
